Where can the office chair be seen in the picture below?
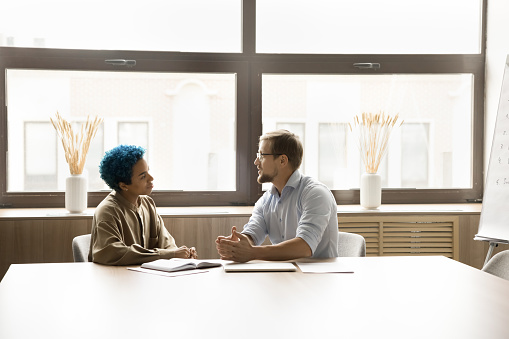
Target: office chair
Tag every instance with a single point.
(351, 245)
(498, 265)
(81, 247)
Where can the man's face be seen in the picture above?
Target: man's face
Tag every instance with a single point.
(266, 164)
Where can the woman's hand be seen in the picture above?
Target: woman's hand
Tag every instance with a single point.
(185, 252)
(181, 252)
(192, 253)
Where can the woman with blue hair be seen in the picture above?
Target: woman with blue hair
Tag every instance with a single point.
(126, 228)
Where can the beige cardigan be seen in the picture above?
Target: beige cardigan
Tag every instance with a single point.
(117, 238)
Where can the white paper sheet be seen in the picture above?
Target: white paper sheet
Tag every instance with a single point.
(323, 267)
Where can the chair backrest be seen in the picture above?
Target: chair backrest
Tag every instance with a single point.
(498, 265)
(351, 245)
(81, 247)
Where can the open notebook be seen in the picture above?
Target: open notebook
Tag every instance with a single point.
(177, 264)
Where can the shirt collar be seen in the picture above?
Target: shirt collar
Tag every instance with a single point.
(126, 202)
(293, 182)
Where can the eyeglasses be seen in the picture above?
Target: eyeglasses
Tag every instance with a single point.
(261, 155)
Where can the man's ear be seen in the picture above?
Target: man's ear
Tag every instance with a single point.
(122, 186)
(283, 160)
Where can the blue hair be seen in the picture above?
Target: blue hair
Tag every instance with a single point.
(117, 165)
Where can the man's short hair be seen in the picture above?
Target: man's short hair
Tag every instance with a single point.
(117, 165)
(287, 143)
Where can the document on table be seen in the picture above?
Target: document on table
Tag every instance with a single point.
(273, 266)
(324, 267)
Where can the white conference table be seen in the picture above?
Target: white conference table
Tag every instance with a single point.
(385, 297)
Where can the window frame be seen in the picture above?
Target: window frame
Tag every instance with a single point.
(249, 67)
(391, 64)
(83, 60)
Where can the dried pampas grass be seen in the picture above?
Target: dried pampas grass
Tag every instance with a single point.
(76, 145)
(374, 131)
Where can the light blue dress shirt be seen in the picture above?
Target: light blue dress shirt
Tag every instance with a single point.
(306, 209)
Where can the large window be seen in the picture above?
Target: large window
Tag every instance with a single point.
(196, 82)
(180, 118)
(438, 105)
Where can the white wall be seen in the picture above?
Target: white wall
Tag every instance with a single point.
(496, 53)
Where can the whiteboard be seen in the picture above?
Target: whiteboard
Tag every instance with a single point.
(494, 222)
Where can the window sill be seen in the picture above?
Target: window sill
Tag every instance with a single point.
(215, 211)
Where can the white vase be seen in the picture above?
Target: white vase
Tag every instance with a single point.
(371, 191)
(76, 190)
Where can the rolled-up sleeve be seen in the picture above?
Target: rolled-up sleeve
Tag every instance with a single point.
(256, 227)
(316, 212)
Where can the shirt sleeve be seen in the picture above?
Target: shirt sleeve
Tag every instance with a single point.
(256, 227)
(316, 213)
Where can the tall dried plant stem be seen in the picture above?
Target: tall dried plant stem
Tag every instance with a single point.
(76, 146)
(374, 131)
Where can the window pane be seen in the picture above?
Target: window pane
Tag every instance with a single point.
(369, 26)
(331, 140)
(414, 155)
(133, 133)
(171, 25)
(95, 154)
(40, 171)
(186, 121)
(434, 141)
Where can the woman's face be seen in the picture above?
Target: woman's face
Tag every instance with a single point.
(141, 181)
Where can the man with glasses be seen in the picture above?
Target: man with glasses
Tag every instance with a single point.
(298, 213)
